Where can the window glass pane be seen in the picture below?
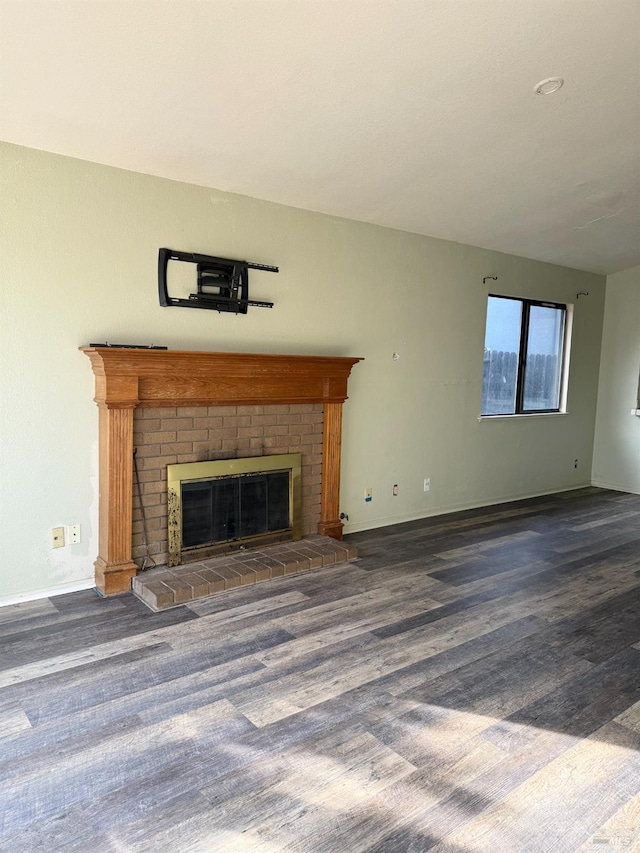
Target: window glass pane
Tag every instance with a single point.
(501, 349)
(544, 358)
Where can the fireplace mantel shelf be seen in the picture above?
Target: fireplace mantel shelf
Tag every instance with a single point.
(128, 378)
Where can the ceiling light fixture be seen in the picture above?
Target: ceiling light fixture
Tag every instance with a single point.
(549, 86)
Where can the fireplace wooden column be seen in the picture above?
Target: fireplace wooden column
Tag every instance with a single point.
(330, 524)
(114, 567)
(127, 378)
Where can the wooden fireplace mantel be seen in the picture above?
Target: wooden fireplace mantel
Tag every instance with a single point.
(127, 378)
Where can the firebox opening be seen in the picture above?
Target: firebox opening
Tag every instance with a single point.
(232, 504)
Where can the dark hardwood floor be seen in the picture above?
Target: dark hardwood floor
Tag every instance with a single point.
(470, 685)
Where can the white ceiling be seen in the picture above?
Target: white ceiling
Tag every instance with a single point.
(415, 114)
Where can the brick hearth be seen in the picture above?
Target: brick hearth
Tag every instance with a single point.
(163, 588)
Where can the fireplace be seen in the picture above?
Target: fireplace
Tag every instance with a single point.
(132, 379)
(229, 505)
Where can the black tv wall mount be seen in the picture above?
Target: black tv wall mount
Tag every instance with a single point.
(222, 284)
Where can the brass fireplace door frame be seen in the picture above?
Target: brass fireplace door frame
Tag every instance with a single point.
(195, 471)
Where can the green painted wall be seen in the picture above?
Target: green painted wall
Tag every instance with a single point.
(616, 458)
(79, 256)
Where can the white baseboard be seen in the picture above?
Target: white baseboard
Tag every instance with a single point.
(615, 487)
(60, 589)
(461, 507)
(89, 583)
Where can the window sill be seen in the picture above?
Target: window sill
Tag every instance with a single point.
(523, 416)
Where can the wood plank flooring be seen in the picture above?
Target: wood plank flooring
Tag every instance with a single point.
(470, 685)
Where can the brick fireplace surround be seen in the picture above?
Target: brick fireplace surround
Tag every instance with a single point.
(206, 433)
(196, 406)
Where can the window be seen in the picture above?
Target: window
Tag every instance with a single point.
(523, 356)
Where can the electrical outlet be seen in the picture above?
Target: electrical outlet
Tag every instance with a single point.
(57, 537)
(427, 484)
(368, 495)
(575, 463)
(74, 534)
